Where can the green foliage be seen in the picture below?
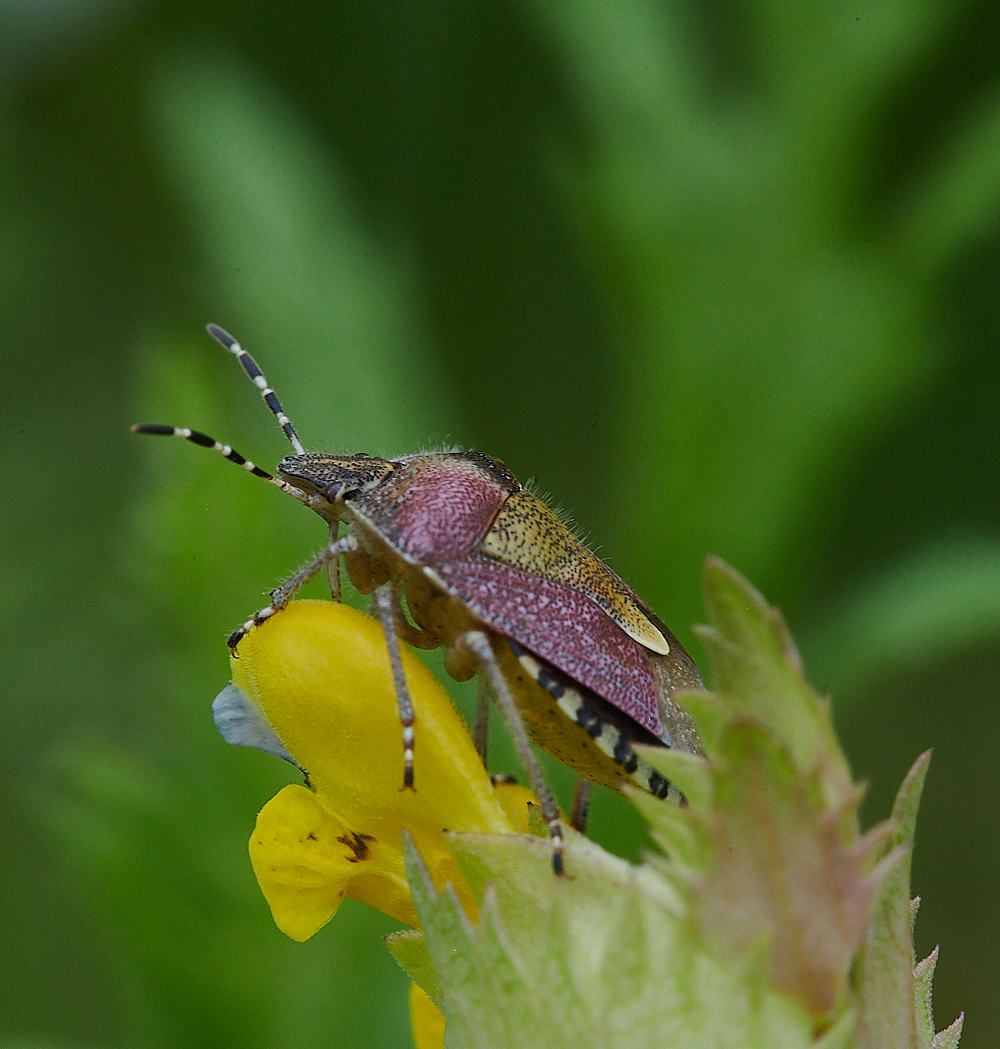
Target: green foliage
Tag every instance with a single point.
(757, 926)
(721, 275)
(895, 1011)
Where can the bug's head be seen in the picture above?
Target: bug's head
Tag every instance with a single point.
(319, 480)
(334, 477)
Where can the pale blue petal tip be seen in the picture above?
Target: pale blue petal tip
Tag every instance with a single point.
(240, 723)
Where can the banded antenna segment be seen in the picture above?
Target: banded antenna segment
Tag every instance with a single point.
(252, 369)
(202, 439)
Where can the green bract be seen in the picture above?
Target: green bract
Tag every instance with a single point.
(770, 921)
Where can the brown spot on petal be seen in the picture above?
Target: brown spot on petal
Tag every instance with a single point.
(358, 844)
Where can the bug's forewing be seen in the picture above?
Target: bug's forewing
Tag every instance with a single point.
(527, 537)
(561, 626)
(672, 673)
(527, 534)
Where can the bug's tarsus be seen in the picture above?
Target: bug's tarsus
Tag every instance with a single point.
(479, 645)
(581, 805)
(386, 605)
(252, 369)
(481, 729)
(281, 595)
(237, 636)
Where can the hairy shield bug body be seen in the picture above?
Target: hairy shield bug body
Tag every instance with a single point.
(575, 660)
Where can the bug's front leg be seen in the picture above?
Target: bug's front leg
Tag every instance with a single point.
(333, 568)
(478, 645)
(281, 595)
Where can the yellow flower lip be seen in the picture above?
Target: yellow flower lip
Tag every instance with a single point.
(319, 673)
(425, 1019)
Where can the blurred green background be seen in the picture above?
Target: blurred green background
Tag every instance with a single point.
(719, 274)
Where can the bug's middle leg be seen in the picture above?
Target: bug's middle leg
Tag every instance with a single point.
(478, 645)
(387, 606)
(281, 595)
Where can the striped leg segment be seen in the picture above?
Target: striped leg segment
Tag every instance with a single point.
(252, 369)
(478, 644)
(386, 604)
(281, 595)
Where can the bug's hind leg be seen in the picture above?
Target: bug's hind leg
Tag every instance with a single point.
(386, 604)
(478, 644)
(581, 804)
(281, 595)
(481, 729)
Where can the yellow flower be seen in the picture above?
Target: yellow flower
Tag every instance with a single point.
(425, 1019)
(319, 674)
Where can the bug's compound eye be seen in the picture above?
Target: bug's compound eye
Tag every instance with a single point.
(332, 492)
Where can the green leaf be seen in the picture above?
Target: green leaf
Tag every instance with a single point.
(409, 949)
(786, 870)
(599, 960)
(949, 1037)
(841, 1035)
(688, 772)
(894, 991)
(756, 670)
(923, 998)
(889, 1001)
(745, 934)
(709, 714)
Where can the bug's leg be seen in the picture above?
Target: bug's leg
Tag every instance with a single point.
(479, 645)
(386, 605)
(281, 595)
(333, 567)
(409, 633)
(581, 805)
(481, 730)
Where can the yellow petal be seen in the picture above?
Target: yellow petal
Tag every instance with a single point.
(515, 800)
(426, 1020)
(320, 674)
(306, 860)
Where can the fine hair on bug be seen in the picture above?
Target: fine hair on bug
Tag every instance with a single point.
(574, 659)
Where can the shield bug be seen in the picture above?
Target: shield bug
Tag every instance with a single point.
(575, 660)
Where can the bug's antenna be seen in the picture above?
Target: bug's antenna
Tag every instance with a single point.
(197, 437)
(250, 367)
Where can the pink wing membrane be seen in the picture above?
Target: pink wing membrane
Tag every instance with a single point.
(562, 626)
